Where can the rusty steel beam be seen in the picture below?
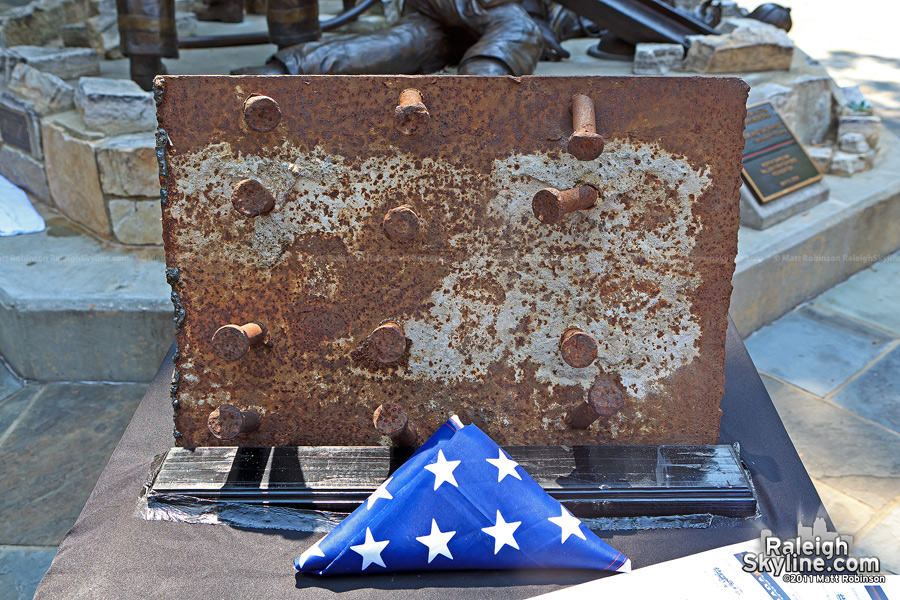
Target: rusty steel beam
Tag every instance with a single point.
(390, 255)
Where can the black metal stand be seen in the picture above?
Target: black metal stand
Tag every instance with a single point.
(591, 481)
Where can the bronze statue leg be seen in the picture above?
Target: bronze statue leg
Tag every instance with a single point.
(293, 22)
(508, 37)
(415, 44)
(225, 11)
(147, 32)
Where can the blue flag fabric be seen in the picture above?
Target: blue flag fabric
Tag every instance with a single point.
(460, 502)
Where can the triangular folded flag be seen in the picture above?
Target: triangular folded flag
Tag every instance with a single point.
(460, 502)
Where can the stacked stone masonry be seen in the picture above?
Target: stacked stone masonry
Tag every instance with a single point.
(85, 144)
(82, 144)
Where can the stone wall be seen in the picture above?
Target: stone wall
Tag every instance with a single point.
(81, 144)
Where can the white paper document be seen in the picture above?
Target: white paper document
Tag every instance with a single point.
(17, 215)
(718, 575)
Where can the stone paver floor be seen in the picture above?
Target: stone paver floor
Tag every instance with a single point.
(55, 439)
(832, 368)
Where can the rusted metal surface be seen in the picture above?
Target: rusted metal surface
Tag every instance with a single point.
(391, 420)
(484, 292)
(228, 422)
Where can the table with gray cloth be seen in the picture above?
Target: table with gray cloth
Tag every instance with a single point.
(111, 552)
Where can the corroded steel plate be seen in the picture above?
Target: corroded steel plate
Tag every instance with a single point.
(483, 291)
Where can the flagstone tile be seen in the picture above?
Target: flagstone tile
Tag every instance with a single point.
(883, 542)
(848, 514)
(21, 570)
(876, 393)
(836, 446)
(9, 383)
(873, 490)
(815, 350)
(871, 295)
(53, 456)
(11, 406)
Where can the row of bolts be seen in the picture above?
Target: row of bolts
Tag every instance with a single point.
(387, 344)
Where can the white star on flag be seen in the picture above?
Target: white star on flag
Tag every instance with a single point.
(310, 552)
(370, 550)
(569, 524)
(443, 470)
(381, 492)
(437, 542)
(502, 532)
(505, 466)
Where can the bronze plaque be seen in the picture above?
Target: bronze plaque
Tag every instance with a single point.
(774, 161)
(14, 128)
(366, 250)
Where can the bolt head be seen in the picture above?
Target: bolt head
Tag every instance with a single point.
(225, 422)
(230, 342)
(547, 206)
(401, 224)
(390, 419)
(579, 349)
(251, 199)
(606, 398)
(387, 344)
(585, 145)
(261, 113)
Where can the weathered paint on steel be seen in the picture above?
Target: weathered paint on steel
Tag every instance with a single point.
(484, 291)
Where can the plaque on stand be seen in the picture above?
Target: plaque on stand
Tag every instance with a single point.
(779, 178)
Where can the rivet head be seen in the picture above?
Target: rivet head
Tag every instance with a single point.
(547, 207)
(251, 199)
(387, 344)
(411, 114)
(261, 113)
(390, 419)
(585, 145)
(579, 349)
(550, 205)
(401, 224)
(227, 422)
(606, 398)
(231, 342)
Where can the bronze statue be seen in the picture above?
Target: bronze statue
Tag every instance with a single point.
(147, 32)
(147, 29)
(484, 37)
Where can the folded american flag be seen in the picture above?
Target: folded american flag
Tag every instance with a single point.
(459, 502)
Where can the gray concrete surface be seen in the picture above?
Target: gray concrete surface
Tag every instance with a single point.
(73, 308)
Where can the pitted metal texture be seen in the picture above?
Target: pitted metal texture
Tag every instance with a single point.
(483, 291)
